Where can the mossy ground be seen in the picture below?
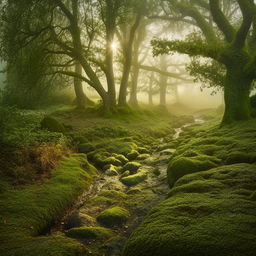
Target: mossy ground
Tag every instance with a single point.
(208, 213)
(29, 211)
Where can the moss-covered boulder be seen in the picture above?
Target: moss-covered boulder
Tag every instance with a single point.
(99, 233)
(143, 156)
(208, 213)
(52, 124)
(114, 216)
(132, 167)
(111, 170)
(178, 167)
(133, 154)
(135, 179)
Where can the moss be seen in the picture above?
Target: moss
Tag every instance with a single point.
(238, 157)
(143, 156)
(118, 195)
(125, 174)
(134, 190)
(102, 158)
(132, 167)
(156, 171)
(182, 166)
(98, 233)
(31, 210)
(143, 150)
(114, 216)
(132, 155)
(52, 125)
(86, 148)
(134, 179)
(111, 170)
(197, 219)
(121, 158)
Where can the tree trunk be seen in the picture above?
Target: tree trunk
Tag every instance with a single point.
(163, 88)
(237, 96)
(134, 84)
(81, 99)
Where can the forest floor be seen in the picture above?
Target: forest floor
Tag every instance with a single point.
(84, 184)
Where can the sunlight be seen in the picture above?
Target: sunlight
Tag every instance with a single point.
(114, 46)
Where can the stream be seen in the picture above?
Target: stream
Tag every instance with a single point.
(148, 194)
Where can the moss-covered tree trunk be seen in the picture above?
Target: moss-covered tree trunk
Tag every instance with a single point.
(236, 95)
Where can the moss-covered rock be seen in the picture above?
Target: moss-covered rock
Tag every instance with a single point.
(114, 216)
(208, 213)
(181, 166)
(52, 124)
(143, 156)
(132, 167)
(132, 155)
(99, 233)
(111, 170)
(133, 180)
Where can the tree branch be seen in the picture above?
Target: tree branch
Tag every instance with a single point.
(221, 21)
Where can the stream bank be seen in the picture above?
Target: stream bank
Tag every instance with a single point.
(117, 201)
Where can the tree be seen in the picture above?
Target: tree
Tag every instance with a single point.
(232, 46)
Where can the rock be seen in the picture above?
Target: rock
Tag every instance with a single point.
(125, 174)
(169, 151)
(180, 166)
(208, 213)
(132, 167)
(98, 233)
(52, 125)
(111, 170)
(133, 155)
(134, 179)
(114, 216)
(143, 156)
(142, 150)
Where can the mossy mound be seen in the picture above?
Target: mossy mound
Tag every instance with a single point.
(99, 233)
(132, 155)
(102, 158)
(135, 179)
(184, 165)
(132, 167)
(86, 148)
(31, 210)
(111, 170)
(209, 213)
(114, 216)
(52, 124)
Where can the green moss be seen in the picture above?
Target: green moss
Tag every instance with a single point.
(114, 216)
(203, 216)
(133, 180)
(86, 148)
(111, 170)
(132, 155)
(182, 166)
(238, 157)
(52, 125)
(29, 211)
(98, 233)
(132, 167)
(143, 156)
(114, 194)
(156, 171)
(143, 150)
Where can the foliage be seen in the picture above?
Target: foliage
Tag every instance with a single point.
(22, 128)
